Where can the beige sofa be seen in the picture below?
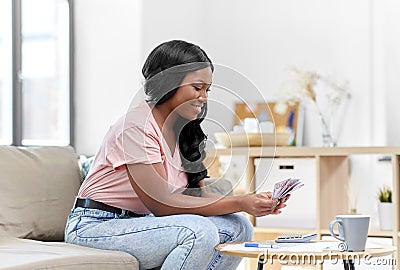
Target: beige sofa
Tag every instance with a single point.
(37, 190)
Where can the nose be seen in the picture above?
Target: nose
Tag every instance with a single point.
(203, 95)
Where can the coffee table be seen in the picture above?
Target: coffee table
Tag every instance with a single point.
(300, 257)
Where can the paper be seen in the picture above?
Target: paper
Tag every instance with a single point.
(319, 246)
(283, 188)
(287, 247)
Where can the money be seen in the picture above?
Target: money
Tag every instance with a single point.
(285, 187)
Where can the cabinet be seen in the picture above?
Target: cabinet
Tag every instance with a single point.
(331, 172)
(302, 206)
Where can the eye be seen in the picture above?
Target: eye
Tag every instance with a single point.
(197, 86)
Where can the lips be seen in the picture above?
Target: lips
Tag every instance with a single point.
(197, 107)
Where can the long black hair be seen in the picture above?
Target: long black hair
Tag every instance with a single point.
(164, 70)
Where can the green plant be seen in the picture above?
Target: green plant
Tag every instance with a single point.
(385, 194)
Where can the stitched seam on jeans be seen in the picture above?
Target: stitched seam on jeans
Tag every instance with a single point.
(191, 248)
(127, 233)
(213, 263)
(227, 234)
(77, 223)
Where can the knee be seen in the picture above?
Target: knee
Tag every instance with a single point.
(248, 229)
(245, 228)
(201, 231)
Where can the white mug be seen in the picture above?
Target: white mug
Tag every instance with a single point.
(353, 231)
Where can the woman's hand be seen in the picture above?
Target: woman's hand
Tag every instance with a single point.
(262, 204)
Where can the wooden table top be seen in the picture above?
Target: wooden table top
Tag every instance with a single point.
(323, 255)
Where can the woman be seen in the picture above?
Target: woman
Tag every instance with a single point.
(143, 194)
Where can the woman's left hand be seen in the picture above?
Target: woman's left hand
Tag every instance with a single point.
(280, 205)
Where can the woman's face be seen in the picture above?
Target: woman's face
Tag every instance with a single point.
(192, 94)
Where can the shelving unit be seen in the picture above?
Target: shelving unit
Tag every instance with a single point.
(332, 175)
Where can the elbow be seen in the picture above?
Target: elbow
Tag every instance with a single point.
(160, 206)
(161, 210)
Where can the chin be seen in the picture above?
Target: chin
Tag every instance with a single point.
(190, 118)
(189, 115)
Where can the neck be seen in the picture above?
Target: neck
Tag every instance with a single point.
(164, 117)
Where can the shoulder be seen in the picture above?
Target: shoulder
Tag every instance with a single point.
(138, 124)
(140, 118)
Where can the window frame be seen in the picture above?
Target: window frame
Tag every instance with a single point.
(17, 120)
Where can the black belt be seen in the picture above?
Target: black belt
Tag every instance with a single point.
(89, 203)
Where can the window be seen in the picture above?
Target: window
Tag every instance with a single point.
(41, 70)
(5, 72)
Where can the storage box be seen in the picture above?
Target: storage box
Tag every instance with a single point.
(301, 208)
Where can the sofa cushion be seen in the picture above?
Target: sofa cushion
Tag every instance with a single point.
(38, 187)
(86, 162)
(219, 186)
(19, 254)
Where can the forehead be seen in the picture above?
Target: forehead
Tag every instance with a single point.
(202, 75)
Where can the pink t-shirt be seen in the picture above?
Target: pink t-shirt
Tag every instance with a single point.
(134, 138)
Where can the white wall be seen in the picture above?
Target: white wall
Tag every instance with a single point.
(107, 66)
(355, 40)
(342, 39)
(389, 26)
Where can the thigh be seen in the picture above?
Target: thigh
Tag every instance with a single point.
(150, 239)
(233, 227)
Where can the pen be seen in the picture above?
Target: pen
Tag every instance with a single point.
(260, 245)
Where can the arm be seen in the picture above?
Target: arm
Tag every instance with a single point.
(149, 182)
(201, 192)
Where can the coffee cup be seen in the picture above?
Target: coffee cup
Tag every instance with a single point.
(353, 231)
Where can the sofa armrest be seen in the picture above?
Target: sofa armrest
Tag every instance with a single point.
(219, 186)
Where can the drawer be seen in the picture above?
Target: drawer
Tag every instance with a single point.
(301, 208)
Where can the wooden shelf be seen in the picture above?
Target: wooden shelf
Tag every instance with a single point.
(265, 230)
(292, 151)
(332, 176)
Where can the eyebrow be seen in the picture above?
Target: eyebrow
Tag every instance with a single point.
(201, 81)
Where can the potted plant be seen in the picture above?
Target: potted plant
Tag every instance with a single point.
(385, 208)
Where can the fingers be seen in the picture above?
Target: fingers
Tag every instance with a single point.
(280, 206)
(284, 199)
(264, 204)
(267, 195)
(273, 211)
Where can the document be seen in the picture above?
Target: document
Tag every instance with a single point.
(317, 246)
(287, 247)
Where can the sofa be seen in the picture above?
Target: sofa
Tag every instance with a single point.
(37, 190)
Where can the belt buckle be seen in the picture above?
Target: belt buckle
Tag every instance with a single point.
(128, 213)
(124, 212)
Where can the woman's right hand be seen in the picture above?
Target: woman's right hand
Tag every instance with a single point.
(260, 204)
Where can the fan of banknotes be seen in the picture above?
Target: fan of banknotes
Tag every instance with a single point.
(284, 187)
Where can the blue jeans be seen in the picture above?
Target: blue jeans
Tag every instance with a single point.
(175, 242)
